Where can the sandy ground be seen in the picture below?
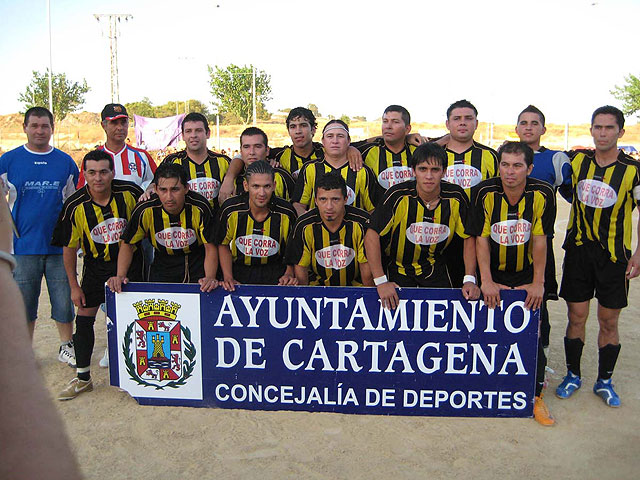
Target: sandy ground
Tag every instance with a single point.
(113, 437)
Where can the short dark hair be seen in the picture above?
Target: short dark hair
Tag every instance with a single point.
(609, 110)
(517, 148)
(335, 120)
(171, 170)
(38, 112)
(461, 104)
(259, 167)
(406, 117)
(331, 181)
(533, 109)
(304, 113)
(97, 155)
(251, 131)
(196, 117)
(426, 151)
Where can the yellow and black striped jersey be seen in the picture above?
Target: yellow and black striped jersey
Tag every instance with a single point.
(472, 166)
(290, 161)
(603, 202)
(172, 234)
(284, 184)
(204, 178)
(510, 228)
(95, 228)
(252, 242)
(362, 188)
(389, 168)
(411, 235)
(333, 258)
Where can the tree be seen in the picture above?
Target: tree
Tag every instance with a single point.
(143, 108)
(345, 119)
(232, 89)
(314, 109)
(629, 94)
(68, 96)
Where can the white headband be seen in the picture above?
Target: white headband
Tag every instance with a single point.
(335, 126)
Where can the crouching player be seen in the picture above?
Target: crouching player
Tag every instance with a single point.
(94, 218)
(327, 246)
(515, 260)
(414, 224)
(178, 222)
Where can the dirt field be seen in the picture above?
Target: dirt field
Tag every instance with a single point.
(114, 438)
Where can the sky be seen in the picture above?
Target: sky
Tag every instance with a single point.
(348, 57)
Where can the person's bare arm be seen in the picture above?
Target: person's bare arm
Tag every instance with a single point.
(209, 281)
(387, 290)
(302, 274)
(34, 442)
(226, 264)
(365, 275)
(470, 290)
(490, 289)
(228, 186)
(125, 256)
(300, 208)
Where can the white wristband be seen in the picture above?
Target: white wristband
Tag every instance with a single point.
(469, 278)
(380, 280)
(7, 257)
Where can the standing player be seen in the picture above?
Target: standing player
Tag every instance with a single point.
(512, 218)
(301, 125)
(131, 164)
(327, 246)
(362, 189)
(388, 157)
(554, 168)
(93, 219)
(253, 232)
(414, 224)
(468, 164)
(38, 179)
(606, 189)
(205, 169)
(178, 223)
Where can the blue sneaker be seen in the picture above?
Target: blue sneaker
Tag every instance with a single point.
(604, 389)
(569, 384)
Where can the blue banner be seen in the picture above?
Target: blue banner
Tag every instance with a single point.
(323, 349)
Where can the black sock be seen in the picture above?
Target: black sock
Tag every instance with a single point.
(545, 326)
(573, 352)
(83, 341)
(540, 369)
(607, 357)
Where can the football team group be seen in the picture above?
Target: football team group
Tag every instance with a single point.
(398, 210)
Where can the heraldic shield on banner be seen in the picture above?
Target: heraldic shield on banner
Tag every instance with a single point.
(158, 350)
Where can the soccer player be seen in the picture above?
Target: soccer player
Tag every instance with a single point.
(327, 246)
(302, 126)
(253, 231)
(414, 224)
(388, 157)
(254, 147)
(132, 164)
(38, 179)
(205, 169)
(178, 223)
(554, 168)
(512, 217)
(469, 163)
(93, 218)
(362, 189)
(606, 189)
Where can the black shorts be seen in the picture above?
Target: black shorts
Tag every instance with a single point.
(95, 274)
(436, 276)
(268, 274)
(187, 268)
(587, 269)
(454, 257)
(513, 279)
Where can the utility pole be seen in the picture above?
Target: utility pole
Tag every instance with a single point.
(114, 20)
